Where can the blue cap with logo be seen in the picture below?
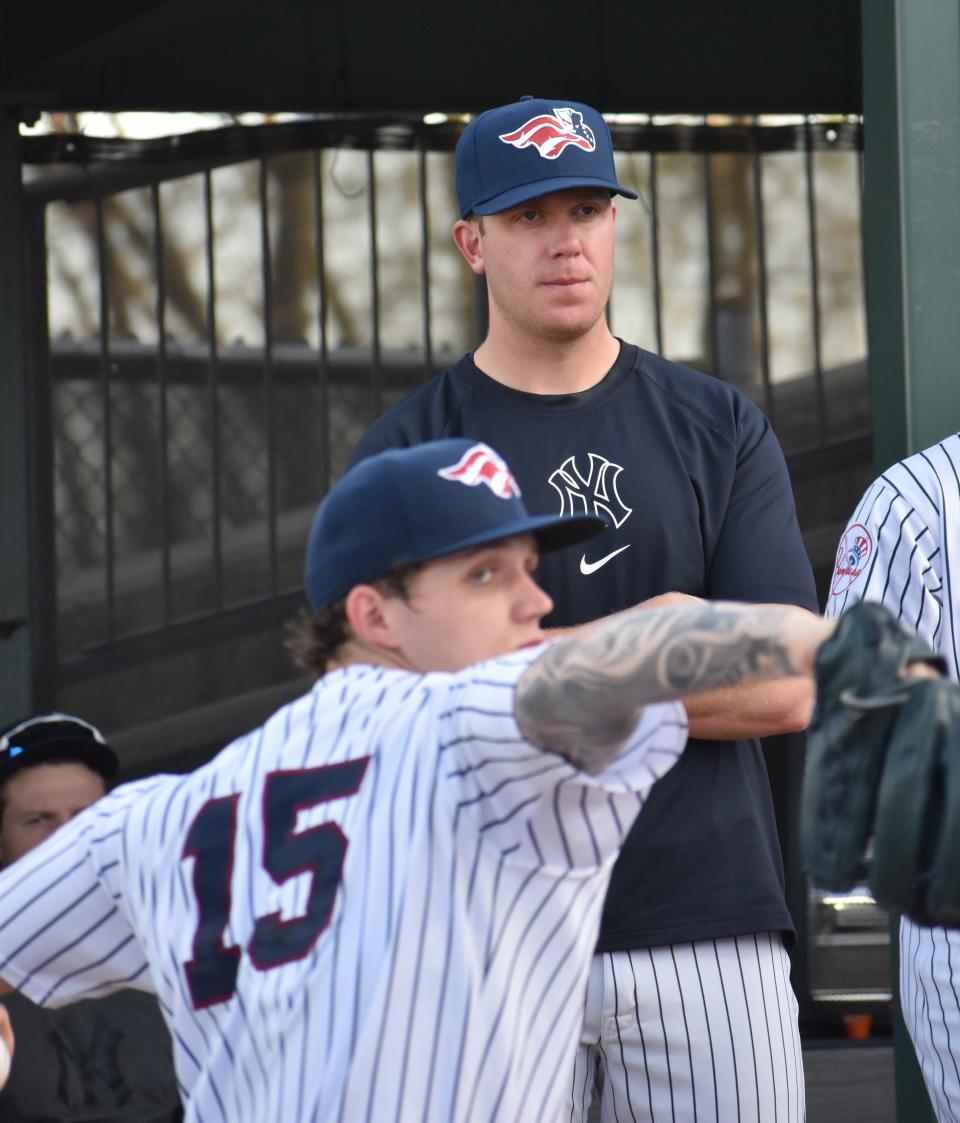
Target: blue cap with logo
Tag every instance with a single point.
(410, 505)
(55, 736)
(532, 147)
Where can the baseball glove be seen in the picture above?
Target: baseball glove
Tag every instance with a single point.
(882, 786)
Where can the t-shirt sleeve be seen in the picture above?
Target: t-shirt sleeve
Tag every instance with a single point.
(518, 794)
(64, 932)
(379, 437)
(427, 414)
(759, 553)
(890, 553)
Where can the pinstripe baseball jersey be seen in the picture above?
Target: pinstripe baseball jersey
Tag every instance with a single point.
(899, 549)
(899, 546)
(380, 906)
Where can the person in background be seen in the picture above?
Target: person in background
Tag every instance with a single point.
(900, 549)
(690, 1013)
(105, 1060)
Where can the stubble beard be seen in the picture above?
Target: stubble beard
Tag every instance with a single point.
(532, 324)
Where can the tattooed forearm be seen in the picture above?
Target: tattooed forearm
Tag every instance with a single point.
(583, 696)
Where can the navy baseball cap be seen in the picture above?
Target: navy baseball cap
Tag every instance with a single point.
(532, 147)
(409, 505)
(35, 740)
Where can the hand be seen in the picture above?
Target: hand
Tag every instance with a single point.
(666, 600)
(6, 1036)
(920, 670)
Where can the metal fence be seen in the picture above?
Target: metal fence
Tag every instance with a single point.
(219, 315)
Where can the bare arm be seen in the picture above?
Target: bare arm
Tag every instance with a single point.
(746, 709)
(6, 988)
(754, 709)
(584, 696)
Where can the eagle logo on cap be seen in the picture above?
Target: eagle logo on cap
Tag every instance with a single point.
(551, 133)
(481, 465)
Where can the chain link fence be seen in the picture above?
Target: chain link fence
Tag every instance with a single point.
(226, 312)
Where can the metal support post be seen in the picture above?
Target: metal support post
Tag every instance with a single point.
(16, 688)
(911, 86)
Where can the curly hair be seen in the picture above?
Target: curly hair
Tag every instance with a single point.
(314, 641)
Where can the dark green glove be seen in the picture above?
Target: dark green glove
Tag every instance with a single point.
(880, 752)
(916, 849)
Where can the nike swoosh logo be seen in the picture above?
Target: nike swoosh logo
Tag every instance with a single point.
(586, 568)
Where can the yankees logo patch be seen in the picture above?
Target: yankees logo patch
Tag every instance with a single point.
(481, 465)
(853, 554)
(551, 133)
(592, 492)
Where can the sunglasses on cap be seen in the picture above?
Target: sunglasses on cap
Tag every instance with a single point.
(46, 736)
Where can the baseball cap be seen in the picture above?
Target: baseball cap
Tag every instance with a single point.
(529, 148)
(410, 505)
(35, 740)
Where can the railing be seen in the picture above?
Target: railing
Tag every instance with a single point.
(219, 316)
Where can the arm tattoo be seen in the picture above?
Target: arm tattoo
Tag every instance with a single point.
(584, 696)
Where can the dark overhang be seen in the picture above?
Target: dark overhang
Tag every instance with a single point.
(690, 56)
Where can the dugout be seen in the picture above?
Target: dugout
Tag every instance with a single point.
(101, 605)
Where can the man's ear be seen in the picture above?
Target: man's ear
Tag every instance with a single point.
(466, 233)
(368, 617)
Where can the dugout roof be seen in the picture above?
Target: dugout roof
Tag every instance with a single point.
(342, 55)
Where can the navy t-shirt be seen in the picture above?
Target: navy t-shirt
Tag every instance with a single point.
(695, 491)
(103, 1060)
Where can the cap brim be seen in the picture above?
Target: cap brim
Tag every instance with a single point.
(552, 532)
(527, 191)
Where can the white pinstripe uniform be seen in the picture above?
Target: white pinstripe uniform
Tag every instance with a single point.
(721, 1041)
(380, 906)
(899, 549)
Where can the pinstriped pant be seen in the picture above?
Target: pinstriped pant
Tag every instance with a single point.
(930, 1000)
(691, 1033)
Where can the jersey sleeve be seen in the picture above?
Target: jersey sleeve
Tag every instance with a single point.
(759, 553)
(521, 795)
(64, 932)
(890, 553)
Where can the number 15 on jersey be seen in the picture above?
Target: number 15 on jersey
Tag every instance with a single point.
(318, 851)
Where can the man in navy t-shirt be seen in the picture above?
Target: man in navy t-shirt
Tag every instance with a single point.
(689, 1014)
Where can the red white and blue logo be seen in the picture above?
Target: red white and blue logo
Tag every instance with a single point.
(551, 133)
(481, 465)
(853, 554)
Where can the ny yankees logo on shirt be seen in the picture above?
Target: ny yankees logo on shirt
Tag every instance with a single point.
(95, 1053)
(592, 493)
